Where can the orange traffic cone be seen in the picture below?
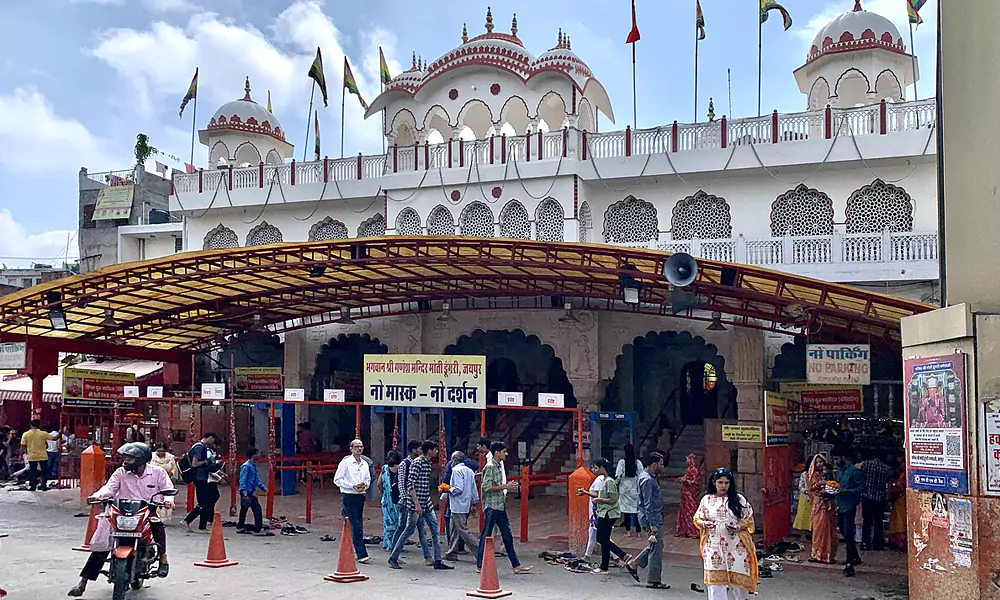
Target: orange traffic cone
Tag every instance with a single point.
(91, 527)
(216, 548)
(347, 570)
(489, 581)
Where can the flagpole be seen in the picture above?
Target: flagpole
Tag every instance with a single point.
(343, 98)
(696, 74)
(382, 89)
(760, 51)
(634, 117)
(913, 56)
(194, 120)
(729, 84)
(305, 147)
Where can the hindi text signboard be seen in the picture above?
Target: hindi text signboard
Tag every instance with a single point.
(510, 399)
(811, 398)
(13, 355)
(258, 380)
(775, 419)
(91, 388)
(838, 364)
(333, 396)
(213, 391)
(747, 434)
(936, 455)
(425, 380)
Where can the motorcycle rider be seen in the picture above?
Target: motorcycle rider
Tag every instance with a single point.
(136, 479)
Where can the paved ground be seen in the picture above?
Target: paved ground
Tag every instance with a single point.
(36, 562)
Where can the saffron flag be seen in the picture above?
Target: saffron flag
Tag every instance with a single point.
(699, 20)
(633, 36)
(766, 6)
(316, 126)
(192, 92)
(316, 74)
(383, 69)
(351, 85)
(269, 101)
(913, 11)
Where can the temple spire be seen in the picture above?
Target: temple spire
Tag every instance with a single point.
(465, 34)
(414, 59)
(559, 42)
(513, 25)
(246, 88)
(857, 6)
(489, 20)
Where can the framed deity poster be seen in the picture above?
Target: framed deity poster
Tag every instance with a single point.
(936, 446)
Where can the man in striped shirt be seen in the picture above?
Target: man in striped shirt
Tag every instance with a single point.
(418, 496)
(494, 502)
(413, 450)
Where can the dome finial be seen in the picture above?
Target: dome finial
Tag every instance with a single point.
(513, 25)
(246, 88)
(857, 6)
(489, 20)
(420, 63)
(569, 44)
(711, 109)
(559, 40)
(465, 34)
(414, 59)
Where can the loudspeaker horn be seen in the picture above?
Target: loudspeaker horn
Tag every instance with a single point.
(680, 269)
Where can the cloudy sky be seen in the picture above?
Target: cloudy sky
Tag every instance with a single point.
(80, 78)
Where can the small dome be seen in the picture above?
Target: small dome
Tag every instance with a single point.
(856, 30)
(248, 116)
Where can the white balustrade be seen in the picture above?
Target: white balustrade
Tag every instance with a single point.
(552, 144)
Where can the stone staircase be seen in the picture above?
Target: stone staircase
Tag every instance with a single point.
(690, 441)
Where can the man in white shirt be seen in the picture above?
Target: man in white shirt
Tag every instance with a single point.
(354, 478)
(52, 451)
(462, 498)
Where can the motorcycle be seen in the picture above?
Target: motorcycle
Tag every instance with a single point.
(134, 554)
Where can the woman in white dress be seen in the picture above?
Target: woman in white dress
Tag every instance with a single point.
(627, 474)
(725, 520)
(595, 487)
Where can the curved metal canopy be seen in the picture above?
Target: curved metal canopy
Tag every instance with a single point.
(187, 302)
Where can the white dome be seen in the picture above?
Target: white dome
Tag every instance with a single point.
(856, 30)
(246, 115)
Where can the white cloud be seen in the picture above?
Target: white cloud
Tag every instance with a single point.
(276, 59)
(35, 140)
(101, 2)
(39, 247)
(170, 5)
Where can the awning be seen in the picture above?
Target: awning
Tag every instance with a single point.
(187, 302)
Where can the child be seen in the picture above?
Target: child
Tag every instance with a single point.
(250, 482)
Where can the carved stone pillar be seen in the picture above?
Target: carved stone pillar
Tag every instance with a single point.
(745, 371)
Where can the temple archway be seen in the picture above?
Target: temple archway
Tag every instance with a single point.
(340, 365)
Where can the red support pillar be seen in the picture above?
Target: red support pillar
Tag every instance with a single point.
(565, 139)
(774, 127)
(357, 422)
(230, 173)
(260, 175)
(628, 140)
(527, 147)
(503, 149)
(450, 142)
(326, 169)
(360, 160)
(525, 492)
(270, 462)
(883, 117)
(427, 155)
(292, 176)
(725, 131)
(201, 179)
(461, 152)
(673, 137)
(828, 122)
(39, 364)
(395, 158)
(492, 137)
(583, 150)
(540, 155)
(416, 156)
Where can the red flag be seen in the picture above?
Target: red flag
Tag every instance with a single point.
(633, 36)
(189, 168)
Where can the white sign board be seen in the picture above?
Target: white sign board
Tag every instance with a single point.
(551, 400)
(14, 355)
(130, 391)
(295, 394)
(838, 364)
(213, 391)
(333, 396)
(510, 399)
(154, 391)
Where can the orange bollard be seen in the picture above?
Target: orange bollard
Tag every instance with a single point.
(489, 581)
(347, 570)
(216, 548)
(91, 528)
(92, 477)
(578, 509)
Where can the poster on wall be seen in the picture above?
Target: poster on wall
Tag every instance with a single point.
(775, 419)
(425, 380)
(258, 380)
(838, 364)
(991, 421)
(935, 424)
(91, 388)
(804, 397)
(960, 531)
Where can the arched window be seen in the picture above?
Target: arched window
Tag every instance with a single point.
(265, 233)
(630, 221)
(408, 222)
(328, 229)
(514, 221)
(440, 222)
(879, 207)
(373, 227)
(221, 238)
(802, 211)
(549, 222)
(701, 216)
(477, 220)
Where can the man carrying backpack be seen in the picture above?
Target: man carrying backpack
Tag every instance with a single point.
(199, 467)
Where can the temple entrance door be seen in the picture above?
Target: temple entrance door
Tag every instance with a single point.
(699, 393)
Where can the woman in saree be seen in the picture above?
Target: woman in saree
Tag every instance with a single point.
(803, 515)
(690, 482)
(897, 515)
(389, 484)
(824, 513)
(725, 521)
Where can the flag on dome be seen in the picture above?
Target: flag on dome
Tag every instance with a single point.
(766, 6)
(192, 92)
(913, 11)
(269, 101)
(699, 21)
(383, 69)
(351, 85)
(633, 35)
(316, 74)
(317, 151)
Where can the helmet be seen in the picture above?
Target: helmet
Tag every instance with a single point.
(135, 455)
